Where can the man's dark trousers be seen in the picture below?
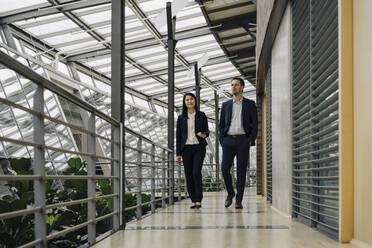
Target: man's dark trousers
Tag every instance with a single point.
(235, 146)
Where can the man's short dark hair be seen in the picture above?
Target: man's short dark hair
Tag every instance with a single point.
(239, 79)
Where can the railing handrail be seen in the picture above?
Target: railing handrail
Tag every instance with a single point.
(134, 133)
(28, 73)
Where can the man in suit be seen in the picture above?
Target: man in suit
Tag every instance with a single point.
(238, 131)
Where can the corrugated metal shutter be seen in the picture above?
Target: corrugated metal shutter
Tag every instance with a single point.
(315, 114)
(269, 171)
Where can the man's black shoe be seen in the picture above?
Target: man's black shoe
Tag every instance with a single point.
(238, 205)
(229, 199)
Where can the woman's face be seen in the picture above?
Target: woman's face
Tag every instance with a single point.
(190, 102)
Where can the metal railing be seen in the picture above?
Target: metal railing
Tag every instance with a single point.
(40, 208)
(160, 175)
(154, 174)
(209, 178)
(160, 170)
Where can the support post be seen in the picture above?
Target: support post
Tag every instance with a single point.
(39, 167)
(118, 101)
(171, 24)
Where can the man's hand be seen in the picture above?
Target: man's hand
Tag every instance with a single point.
(178, 159)
(202, 135)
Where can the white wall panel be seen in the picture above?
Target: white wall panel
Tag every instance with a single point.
(281, 116)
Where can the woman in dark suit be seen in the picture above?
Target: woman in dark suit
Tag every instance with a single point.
(192, 129)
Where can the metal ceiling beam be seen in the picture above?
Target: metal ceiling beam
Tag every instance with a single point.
(97, 25)
(226, 24)
(248, 67)
(157, 35)
(50, 10)
(247, 27)
(89, 55)
(247, 43)
(194, 52)
(72, 30)
(99, 38)
(45, 9)
(139, 44)
(234, 36)
(189, 88)
(233, 22)
(8, 36)
(50, 52)
(147, 72)
(239, 5)
(179, 68)
(80, 14)
(81, 24)
(164, 59)
(191, 33)
(245, 53)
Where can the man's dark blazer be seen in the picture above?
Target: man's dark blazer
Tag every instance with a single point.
(201, 125)
(249, 119)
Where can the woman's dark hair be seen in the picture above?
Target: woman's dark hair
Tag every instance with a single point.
(184, 108)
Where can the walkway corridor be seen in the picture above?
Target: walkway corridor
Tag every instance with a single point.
(257, 225)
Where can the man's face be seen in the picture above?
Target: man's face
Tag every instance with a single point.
(236, 87)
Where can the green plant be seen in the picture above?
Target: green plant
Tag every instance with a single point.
(73, 215)
(130, 201)
(208, 185)
(19, 230)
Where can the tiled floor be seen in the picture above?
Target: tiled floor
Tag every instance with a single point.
(214, 226)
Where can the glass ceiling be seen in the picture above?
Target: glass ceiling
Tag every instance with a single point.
(70, 35)
(82, 34)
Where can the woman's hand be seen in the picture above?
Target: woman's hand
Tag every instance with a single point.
(202, 135)
(178, 159)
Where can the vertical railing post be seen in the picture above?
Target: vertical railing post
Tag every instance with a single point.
(184, 184)
(39, 167)
(153, 178)
(171, 24)
(164, 184)
(139, 179)
(212, 170)
(121, 164)
(115, 171)
(179, 182)
(170, 179)
(217, 145)
(91, 149)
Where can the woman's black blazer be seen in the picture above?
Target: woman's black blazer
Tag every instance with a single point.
(201, 125)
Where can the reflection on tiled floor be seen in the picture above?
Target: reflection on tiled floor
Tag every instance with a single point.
(216, 226)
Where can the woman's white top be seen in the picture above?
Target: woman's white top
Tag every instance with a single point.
(191, 138)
